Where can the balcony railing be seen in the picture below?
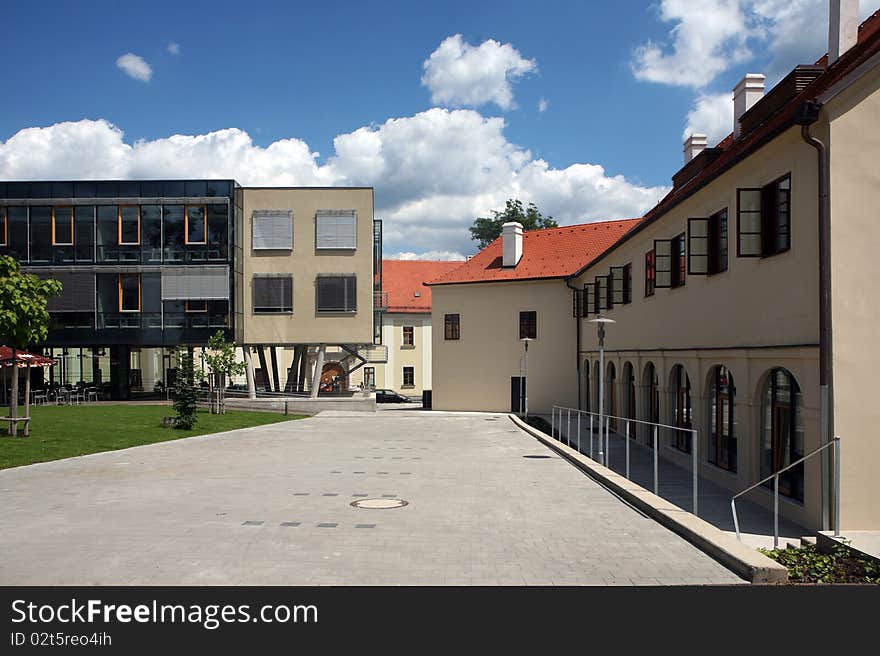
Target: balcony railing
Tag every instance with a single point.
(374, 354)
(380, 300)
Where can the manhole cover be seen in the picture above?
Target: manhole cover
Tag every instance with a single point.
(379, 504)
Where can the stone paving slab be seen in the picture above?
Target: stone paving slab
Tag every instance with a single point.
(271, 505)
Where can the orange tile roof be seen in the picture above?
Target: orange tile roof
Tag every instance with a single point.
(550, 253)
(403, 281)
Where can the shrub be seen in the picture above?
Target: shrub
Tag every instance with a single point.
(185, 391)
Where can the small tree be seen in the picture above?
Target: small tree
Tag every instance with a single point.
(24, 319)
(486, 230)
(222, 363)
(185, 398)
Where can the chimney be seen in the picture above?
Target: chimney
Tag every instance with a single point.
(694, 145)
(843, 27)
(745, 94)
(512, 243)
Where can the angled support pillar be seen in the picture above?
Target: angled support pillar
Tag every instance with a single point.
(319, 368)
(249, 371)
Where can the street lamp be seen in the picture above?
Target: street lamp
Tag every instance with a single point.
(600, 322)
(523, 389)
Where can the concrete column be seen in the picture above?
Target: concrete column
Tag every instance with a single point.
(319, 366)
(304, 365)
(293, 372)
(249, 372)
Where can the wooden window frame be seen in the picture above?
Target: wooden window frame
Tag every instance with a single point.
(119, 226)
(678, 261)
(768, 218)
(119, 282)
(452, 328)
(650, 273)
(188, 307)
(412, 336)
(186, 239)
(412, 373)
(55, 241)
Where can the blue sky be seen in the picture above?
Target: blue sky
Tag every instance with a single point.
(258, 89)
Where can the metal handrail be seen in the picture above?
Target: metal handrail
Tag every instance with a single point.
(604, 457)
(775, 478)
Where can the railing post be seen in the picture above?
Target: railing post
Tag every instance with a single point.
(837, 486)
(568, 429)
(735, 520)
(776, 511)
(579, 431)
(607, 442)
(694, 442)
(553, 421)
(656, 470)
(591, 436)
(627, 449)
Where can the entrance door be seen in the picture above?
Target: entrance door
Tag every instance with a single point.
(517, 393)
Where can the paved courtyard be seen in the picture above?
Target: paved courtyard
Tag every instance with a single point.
(270, 505)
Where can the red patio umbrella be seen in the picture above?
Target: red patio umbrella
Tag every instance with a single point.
(23, 358)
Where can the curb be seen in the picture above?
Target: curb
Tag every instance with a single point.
(748, 563)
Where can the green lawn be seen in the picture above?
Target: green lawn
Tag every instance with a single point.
(64, 431)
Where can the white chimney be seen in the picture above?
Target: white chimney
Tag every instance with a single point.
(745, 94)
(843, 27)
(512, 243)
(694, 145)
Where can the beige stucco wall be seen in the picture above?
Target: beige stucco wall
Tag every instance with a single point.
(389, 375)
(474, 373)
(854, 148)
(305, 262)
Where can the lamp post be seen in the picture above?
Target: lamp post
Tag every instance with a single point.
(523, 388)
(600, 322)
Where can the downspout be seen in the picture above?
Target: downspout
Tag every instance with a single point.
(577, 353)
(807, 115)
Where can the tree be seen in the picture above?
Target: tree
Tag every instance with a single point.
(486, 230)
(222, 363)
(185, 391)
(24, 319)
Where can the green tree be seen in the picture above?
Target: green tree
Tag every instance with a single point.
(185, 391)
(487, 229)
(24, 319)
(222, 363)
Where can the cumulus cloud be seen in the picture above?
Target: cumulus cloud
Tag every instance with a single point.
(445, 256)
(433, 172)
(135, 67)
(459, 74)
(173, 48)
(542, 105)
(712, 115)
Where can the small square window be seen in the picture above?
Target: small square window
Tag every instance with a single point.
(62, 226)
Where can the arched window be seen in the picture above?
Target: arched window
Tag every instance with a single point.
(651, 388)
(722, 428)
(587, 397)
(629, 394)
(611, 394)
(783, 432)
(682, 411)
(596, 375)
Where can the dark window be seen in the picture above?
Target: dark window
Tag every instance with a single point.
(129, 189)
(650, 273)
(195, 306)
(62, 190)
(682, 411)
(218, 230)
(41, 234)
(451, 326)
(370, 377)
(151, 234)
(151, 189)
(409, 377)
(107, 189)
(621, 285)
(84, 190)
(764, 219)
(108, 233)
(129, 293)
(603, 293)
(4, 235)
(336, 293)
(84, 232)
(528, 325)
(173, 189)
(129, 225)
(707, 244)
(217, 188)
(272, 294)
(174, 232)
(782, 441)
(62, 226)
(722, 429)
(408, 336)
(678, 262)
(196, 188)
(196, 228)
(590, 297)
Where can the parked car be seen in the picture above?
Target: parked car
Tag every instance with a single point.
(390, 396)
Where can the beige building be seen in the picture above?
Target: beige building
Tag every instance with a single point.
(716, 298)
(403, 361)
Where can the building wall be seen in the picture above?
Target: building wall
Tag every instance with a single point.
(474, 372)
(305, 262)
(854, 147)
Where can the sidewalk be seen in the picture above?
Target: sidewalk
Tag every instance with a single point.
(676, 485)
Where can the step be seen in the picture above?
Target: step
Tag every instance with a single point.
(808, 540)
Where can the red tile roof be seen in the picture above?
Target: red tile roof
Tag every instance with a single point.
(402, 280)
(550, 253)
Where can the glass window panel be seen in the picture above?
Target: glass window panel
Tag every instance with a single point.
(18, 190)
(84, 190)
(528, 325)
(151, 234)
(174, 232)
(173, 189)
(62, 226)
(217, 188)
(62, 190)
(40, 190)
(84, 232)
(107, 189)
(151, 189)
(196, 229)
(129, 225)
(218, 231)
(129, 189)
(17, 233)
(129, 293)
(452, 326)
(196, 188)
(108, 233)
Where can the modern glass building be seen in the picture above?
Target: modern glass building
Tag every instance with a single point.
(146, 265)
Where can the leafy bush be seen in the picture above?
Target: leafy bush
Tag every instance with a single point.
(809, 565)
(185, 391)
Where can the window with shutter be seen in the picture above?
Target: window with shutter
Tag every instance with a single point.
(662, 263)
(763, 219)
(77, 294)
(679, 262)
(195, 283)
(650, 272)
(619, 285)
(272, 230)
(336, 293)
(589, 298)
(272, 294)
(698, 247)
(336, 230)
(603, 293)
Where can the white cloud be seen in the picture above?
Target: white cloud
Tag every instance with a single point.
(542, 105)
(173, 48)
(708, 37)
(135, 67)
(712, 115)
(459, 74)
(433, 172)
(444, 256)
